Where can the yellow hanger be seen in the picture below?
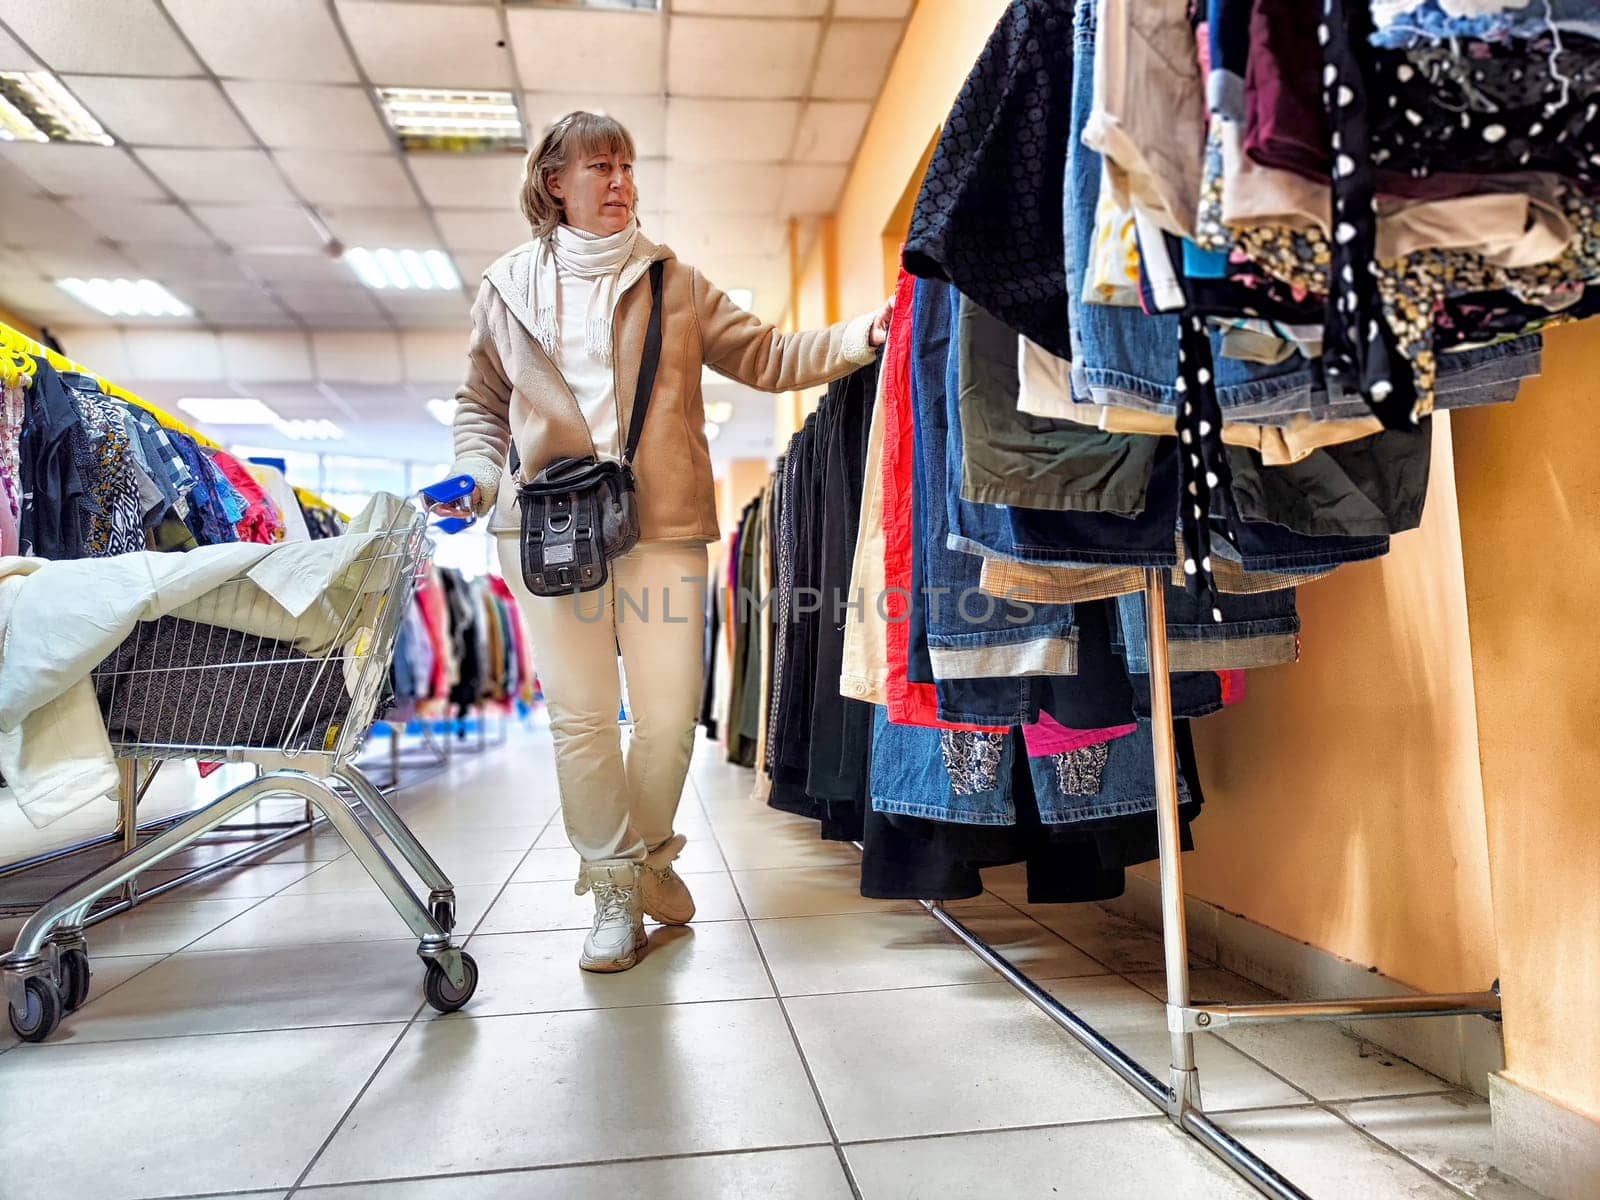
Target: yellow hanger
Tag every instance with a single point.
(17, 352)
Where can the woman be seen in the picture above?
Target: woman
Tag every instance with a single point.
(557, 333)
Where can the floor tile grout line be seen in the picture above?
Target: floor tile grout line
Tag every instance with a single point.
(1328, 1108)
(566, 1165)
(405, 1029)
(788, 1021)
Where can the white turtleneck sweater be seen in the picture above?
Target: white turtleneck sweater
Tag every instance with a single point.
(592, 381)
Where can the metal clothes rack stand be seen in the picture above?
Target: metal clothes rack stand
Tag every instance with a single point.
(1180, 1097)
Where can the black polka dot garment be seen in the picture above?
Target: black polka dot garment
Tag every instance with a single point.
(1358, 345)
(1203, 462)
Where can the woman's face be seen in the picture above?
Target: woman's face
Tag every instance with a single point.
(596, 192)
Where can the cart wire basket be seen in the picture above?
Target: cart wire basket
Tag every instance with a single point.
(237, 680)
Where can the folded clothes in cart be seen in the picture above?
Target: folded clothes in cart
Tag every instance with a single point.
(60, 620)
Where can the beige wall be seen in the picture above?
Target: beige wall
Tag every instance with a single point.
(1344, 802)
(738, 481)
(1530, 507)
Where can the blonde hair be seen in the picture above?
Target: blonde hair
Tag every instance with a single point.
(573, 136)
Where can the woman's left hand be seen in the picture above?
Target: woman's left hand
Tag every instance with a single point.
(879, 333)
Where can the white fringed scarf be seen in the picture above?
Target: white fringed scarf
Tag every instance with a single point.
(588, 257)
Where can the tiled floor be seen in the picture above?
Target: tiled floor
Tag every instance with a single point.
(264, 1036)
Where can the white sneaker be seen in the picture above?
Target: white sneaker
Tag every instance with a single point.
(665, 896)
(618, 934)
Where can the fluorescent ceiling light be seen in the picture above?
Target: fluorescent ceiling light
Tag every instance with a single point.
(452, 119)
(425, 270)
(125, 297)
(743, 297)
(310, 431)
(712, 430)
(228, 410)
(442, 411)
(35, 106)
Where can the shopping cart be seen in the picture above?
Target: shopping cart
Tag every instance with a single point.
(235, 681)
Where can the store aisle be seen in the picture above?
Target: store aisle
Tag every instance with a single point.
(263, 1035)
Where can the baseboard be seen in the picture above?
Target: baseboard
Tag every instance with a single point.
(1552, 1149)
(1462, 1050)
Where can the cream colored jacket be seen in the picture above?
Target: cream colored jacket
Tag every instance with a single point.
(514, 391)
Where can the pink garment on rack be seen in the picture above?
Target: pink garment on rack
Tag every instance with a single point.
(430, 598)
(1049, 736)
(1232, 686)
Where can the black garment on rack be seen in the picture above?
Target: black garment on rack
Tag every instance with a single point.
(464, 614)
(710, 644)
(841, 728)
(54, 486)
(1003, 245)
(910, 858)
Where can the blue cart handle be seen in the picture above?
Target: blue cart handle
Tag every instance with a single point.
(457, 487)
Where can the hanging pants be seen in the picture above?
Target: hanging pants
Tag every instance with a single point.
(616, 806)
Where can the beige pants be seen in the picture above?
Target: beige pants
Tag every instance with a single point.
(615, 806)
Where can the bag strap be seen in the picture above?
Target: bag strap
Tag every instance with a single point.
(647, 365)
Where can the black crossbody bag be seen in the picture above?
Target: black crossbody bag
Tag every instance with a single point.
(581, 512)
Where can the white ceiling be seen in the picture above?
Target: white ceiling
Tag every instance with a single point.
(248, 135)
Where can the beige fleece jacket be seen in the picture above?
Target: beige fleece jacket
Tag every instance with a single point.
(514, 390)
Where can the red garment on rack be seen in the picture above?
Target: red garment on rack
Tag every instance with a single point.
(435, 615)
(261, 521)
(909, 703)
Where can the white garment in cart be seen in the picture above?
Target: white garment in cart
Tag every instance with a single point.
(59, 620)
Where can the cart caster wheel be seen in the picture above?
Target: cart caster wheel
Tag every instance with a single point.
(43, 1013)
(444, 995)
(74, 980)
(444, 914)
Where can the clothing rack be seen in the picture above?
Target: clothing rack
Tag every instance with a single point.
(17, 347)
(1180, 1096)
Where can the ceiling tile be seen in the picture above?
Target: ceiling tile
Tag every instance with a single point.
(730, 130)
(42, 300)
(219, 176)
(710, 56)
(252, 225)
(312, 116)
(645, 117)
(468, 180)
(752, 8)
(742, 188)
(872, 8)
(122, 221)
(473, 264)
(323, 300)
(246, 39)
(175, 354)
(587, 52)
(234, 304)
(429, 310)
(328, 177)
(483, 229)
(427, 45)
(160, 112)
(299, 269)
(265, 358)
(371, 358)
(395, 227)
(81, 170)
(830, 131)
(60, 262)
(34, 221)
(12, 56)
(811, 190)
(855, 58)
(125, 32)
(183, 265)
